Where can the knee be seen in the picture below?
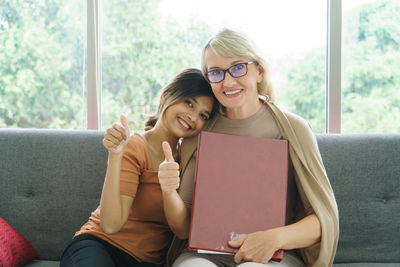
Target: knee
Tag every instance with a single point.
(86, 253)
(192, 260)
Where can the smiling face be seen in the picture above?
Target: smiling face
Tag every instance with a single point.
(238, 95)
(188, 117)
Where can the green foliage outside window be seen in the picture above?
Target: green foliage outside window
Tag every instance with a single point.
(370, 73)
(43, 73)
(40, 67)
(141, 54)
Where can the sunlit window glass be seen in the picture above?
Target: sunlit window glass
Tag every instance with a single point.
(143, 49)
(42, 64)
(371, 66)
(146, 43)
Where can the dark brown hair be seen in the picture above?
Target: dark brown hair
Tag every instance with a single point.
(187, 84)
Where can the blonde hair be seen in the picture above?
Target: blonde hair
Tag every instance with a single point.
(231, 43)
(187, 84)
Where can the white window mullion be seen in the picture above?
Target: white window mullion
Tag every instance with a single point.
(93, 65)
(333, 73)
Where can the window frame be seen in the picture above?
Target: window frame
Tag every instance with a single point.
(93, 64)
(333, 67)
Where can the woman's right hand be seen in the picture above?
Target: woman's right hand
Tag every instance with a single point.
(117, 136)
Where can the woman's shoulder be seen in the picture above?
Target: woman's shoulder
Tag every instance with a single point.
(137, 146)
(296, 119)
(137, 139)
(297, 130)
(297, 122)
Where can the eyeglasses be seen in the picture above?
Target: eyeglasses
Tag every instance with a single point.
(236, 71)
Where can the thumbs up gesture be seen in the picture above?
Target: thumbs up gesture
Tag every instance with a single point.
(168, 172)
(117, 136)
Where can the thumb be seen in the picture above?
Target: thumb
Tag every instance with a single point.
(124, 122)
(236, 243)
(167, 152)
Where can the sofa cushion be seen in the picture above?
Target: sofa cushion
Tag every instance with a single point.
(50, 182)
(364, 170)
(15, 250)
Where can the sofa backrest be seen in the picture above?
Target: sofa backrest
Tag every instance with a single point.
(50, 181)
(364, 171)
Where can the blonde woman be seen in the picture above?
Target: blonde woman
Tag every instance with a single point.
(240, 80)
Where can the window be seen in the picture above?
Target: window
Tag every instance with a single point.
(371, 66)
(145, 43)
(46, 58)
(142, 49)
(42, 64)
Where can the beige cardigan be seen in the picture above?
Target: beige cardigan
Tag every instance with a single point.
(308, 165)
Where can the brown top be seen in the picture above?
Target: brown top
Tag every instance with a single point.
(146, 233)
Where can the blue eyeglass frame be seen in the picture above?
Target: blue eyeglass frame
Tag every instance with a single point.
(230, 73)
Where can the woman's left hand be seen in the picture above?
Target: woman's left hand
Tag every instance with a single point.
(168, 171)
(256, 247)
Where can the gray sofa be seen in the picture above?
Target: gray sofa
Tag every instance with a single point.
(50, 181)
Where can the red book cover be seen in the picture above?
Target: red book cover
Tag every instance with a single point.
(240, 188)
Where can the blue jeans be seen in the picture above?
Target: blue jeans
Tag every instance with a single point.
(90, 251)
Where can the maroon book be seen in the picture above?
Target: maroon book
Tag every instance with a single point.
(240, 188)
